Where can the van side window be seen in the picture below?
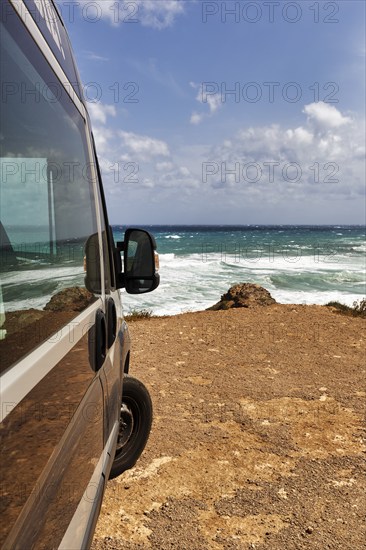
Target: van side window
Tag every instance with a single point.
(47, 205)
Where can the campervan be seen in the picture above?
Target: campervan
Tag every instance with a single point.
(71, 415)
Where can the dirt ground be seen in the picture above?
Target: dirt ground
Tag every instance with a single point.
(257, 439)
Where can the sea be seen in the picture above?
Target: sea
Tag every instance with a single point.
(296, 264)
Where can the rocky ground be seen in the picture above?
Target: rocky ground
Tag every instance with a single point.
(257, 439)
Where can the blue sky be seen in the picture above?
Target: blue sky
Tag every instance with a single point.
(287, 146)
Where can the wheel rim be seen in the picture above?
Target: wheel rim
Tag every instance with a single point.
(126, 427)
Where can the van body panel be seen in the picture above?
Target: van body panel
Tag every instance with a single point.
(64, 344)
(22, 377)
(51, 443)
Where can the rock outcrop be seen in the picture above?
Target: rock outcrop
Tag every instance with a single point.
(70, 299)
(244, 295)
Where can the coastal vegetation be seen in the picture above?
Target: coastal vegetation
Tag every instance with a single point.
(138, 315)
(357, 310)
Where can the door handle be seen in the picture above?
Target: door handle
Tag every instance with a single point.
(111, 322)
(98, 341)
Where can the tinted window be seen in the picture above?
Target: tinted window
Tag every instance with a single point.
(47, 210)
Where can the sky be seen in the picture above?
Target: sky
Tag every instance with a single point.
(225, 112)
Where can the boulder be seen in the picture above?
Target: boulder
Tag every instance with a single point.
(244, 295)
(70, 299)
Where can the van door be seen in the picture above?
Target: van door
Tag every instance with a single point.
(118, 340)
(52, 407)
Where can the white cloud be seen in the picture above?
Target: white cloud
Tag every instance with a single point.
(99, 112)
(143, 147)
(172, 179)
(163, 166)
(214, 102)
(329, 160)
(301, 135)
(157, 14)
(148, 183)
(179, 178)
(196, 118)
(184, 171)
(205, 97)
(103, 137)
(325, 116)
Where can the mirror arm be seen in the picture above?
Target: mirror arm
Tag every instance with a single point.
(120, 280)
(120, 276)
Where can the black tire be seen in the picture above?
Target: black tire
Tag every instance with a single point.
(135, 425)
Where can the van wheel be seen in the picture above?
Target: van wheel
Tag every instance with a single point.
(134, 425)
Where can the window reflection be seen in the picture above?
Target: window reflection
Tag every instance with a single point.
(47, 210)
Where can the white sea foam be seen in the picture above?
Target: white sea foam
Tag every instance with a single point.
(40, 282)
(301, 273)
(195, 282)
(39, 275)
(38, 302)
(167, 257)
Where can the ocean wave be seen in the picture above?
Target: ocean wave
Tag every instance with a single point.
(39, 275)
(166, 257)
(198, 266)
(194, 282)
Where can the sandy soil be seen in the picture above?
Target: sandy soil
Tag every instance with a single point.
(257, 436)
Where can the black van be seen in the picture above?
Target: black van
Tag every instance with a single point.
(71, 416)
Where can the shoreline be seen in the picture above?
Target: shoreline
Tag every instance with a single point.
(136, 304)
(339, 308)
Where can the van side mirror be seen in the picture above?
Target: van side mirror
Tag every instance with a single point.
(140, 262)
